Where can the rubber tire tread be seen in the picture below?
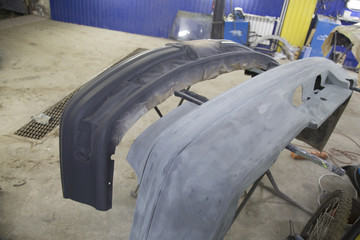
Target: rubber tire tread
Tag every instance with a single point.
(336, 227)
(353, 233)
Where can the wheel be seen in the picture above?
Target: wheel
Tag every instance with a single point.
(353, 233)
(329, 220)
(353, 172)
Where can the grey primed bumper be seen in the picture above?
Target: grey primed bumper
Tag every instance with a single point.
(194, 163)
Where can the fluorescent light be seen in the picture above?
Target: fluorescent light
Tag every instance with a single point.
(183, 33)
(353, 5)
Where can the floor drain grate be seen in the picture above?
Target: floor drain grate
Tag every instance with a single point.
(35, 130)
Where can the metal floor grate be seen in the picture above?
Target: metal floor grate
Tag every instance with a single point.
(35, 130)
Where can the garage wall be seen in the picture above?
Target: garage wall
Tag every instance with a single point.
(330, 8)
(258, 7)
(153, 18)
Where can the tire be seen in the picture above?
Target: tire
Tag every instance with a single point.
(352, 171)
(330, 219)
(353, 233)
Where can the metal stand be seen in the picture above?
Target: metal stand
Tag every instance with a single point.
(247, 197)
(276, 191)
(348, 47)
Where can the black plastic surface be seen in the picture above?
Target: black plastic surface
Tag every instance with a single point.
(98, 116)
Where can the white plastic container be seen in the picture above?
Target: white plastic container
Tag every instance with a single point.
(329, 183)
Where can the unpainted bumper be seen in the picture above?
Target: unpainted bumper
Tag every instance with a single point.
(98, 116)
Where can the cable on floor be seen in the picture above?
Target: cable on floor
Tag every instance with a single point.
(332, 152)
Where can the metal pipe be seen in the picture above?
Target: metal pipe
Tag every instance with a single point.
(217, 30)
(247, 197)
(334, 56)
(276, 191)
(325, 164)
(158, 111)
(182, 99)
(282, 18)
(342, 55)
(187, 97)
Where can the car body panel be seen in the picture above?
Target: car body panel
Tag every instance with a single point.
(193, 171)
(99, 114)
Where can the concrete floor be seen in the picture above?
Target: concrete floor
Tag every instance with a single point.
(41, 61)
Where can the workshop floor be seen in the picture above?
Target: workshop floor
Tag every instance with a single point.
(42, 61)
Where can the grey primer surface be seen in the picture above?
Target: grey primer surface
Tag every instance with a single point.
(194, 163)
(97, 117)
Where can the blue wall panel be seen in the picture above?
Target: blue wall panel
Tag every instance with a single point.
(258, 7)
(333, 8)
(153, 18)
(330, 7)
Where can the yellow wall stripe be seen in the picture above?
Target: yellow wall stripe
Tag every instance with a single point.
(297, 21)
